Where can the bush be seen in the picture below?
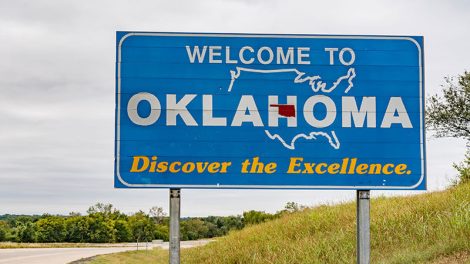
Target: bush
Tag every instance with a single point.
(464, 169)
(256, 217)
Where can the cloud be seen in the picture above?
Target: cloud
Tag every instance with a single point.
(57, 67)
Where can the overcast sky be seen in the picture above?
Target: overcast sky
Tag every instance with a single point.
(57, 71)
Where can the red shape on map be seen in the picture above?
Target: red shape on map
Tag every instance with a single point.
(285, 109)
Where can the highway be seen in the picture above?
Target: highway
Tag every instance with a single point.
(66, 255)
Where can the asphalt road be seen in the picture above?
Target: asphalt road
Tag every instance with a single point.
(52, 255)
(66, 255)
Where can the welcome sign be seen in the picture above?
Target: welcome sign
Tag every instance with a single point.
(269, 111)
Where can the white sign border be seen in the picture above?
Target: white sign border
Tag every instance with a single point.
(220, 186)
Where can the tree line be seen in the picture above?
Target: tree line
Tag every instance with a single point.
(105, 224)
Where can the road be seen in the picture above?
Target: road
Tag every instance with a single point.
(66, 255)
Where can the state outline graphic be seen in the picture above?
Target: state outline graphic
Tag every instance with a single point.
(316, 84)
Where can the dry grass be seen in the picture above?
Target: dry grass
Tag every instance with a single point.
(56, 245)
(457, 258)
(131, 257)
(416, 229)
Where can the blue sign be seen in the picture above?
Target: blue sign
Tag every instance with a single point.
(269, 111)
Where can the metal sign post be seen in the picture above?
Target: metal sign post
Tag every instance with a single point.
(363, 227)
(175, 203)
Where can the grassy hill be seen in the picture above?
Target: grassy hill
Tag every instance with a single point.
(416, 229)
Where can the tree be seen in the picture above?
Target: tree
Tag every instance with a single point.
(142, 227)
(123, 231)
(464, 169)
(292, 207)
(4, 228)
(101, 229)
(162, 232)
(51, 229)
(233, 222)
(25, 232)
(102, 218)
(220, 225)
(107, 210)
(193, 229)
(78, 229)
(449, 115)
(157, 214)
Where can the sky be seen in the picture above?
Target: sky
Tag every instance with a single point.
(57, 91)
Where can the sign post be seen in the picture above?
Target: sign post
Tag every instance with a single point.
(266, 111)
(363, 226)
(175, 205)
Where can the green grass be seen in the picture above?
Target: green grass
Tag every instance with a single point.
(416, 229)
